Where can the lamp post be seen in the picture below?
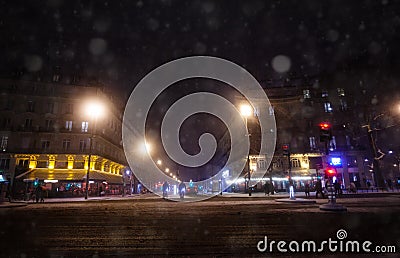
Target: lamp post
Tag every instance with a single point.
(94, 110)
(246, 111)
(129, 174)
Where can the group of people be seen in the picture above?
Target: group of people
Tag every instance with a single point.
(181, 189)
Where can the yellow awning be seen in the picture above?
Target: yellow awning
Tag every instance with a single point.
(69, 175)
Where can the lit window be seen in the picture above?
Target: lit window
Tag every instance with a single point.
(328, 107)
(85, 126)
(306, 94)
(313, 144)
(340, 92)
(332, 143)
(295, 163)
(68, 125)
(271, 110)
(4, 143)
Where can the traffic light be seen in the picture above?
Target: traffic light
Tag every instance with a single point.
(286, 150)
(36, 182)
(325, 132)
(330, 172)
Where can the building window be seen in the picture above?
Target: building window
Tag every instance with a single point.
(295, 163)
(4, 163)
(49, 125)
(328, 107)
(28, 123)
(66, 144)
(348, 141)
(324, 94)
(4, 143)
(61, 164)
(313, 144)
(82, 145)
(68, 125)
(42, 164)
(343, 104)
(85, 126)
(9, 104)
(56, 78)
(332, 143)
(45, 145)
(30, 106)
(306, 94)
(6, 122)
(50, 107)
(340, 92)
(271, 110)
(70, 108)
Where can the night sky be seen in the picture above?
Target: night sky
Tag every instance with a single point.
(279, 42)
(119, 42)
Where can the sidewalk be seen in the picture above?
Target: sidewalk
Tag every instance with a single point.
(279, 195)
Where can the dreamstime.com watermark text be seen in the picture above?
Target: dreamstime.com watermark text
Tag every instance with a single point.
(331, 245)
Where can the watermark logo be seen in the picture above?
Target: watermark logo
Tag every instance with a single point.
(340, 244)
(137, 147)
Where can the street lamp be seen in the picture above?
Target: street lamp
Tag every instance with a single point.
(246, 111)
(94, 110)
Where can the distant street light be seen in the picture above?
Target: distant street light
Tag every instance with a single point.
(246, 111)
(94, 110)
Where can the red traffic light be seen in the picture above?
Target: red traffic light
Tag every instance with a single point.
(325, 125)
(285, 147)
(330, 172)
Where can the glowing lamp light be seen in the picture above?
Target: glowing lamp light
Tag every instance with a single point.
(94, 109)
(246, 110)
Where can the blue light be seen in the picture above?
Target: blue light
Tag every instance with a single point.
(336, 161)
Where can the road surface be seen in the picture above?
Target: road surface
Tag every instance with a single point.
(222, 226)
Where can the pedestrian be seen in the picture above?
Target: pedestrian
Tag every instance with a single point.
(182, 189)
(165, 189)
(266, 188)
(337, 188)
(307, 189)
(291, 189)
(38, 193)
(43, 192)
(353, 188)
(318, 189)
(271, 188)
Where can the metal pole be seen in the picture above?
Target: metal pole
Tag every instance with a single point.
(89, 160)
(248, 161)
(377, 173)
